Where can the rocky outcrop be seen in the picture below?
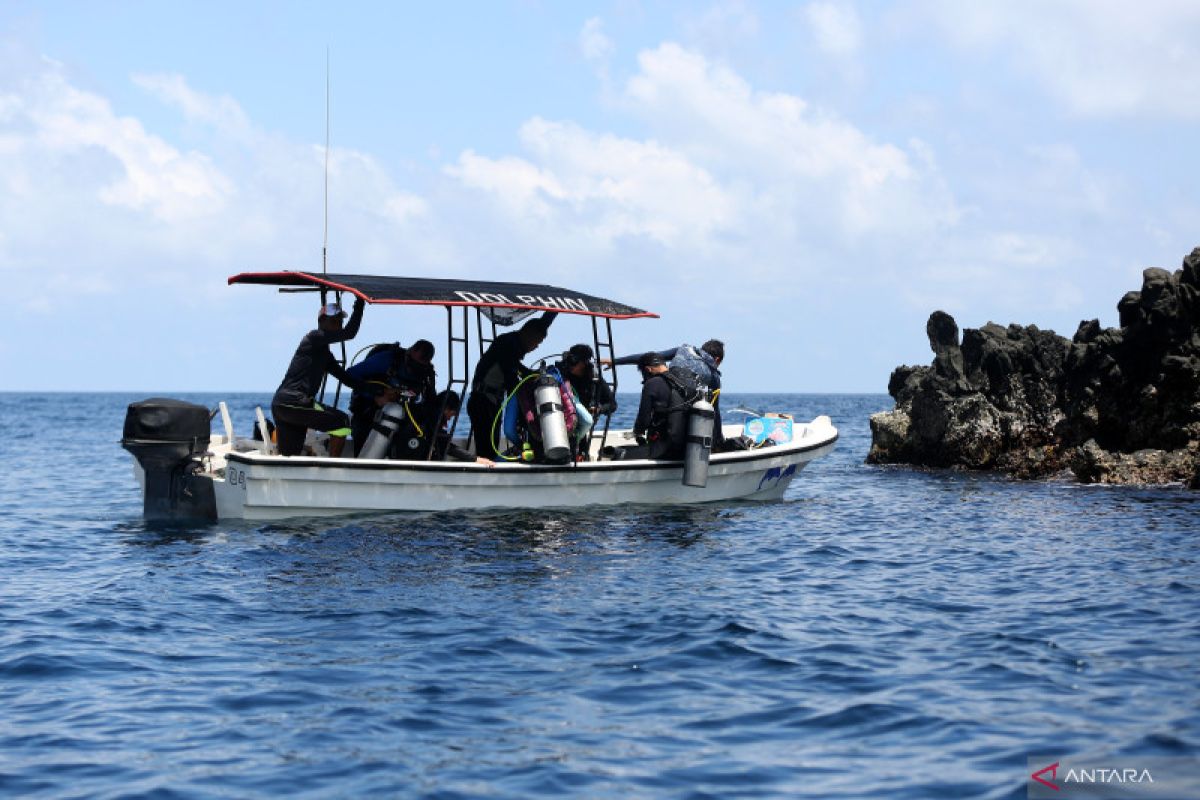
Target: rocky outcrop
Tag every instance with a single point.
(1115, 405)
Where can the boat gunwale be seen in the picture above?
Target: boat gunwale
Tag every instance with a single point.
(641, 464)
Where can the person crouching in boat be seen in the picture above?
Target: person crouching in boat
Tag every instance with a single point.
(449, 402)
(294, 406)
(498, 372)
(390, 373)
(578, 367)
(593, 396)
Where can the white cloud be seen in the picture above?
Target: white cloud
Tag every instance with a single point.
(836, 27)
(221, 112)
(723, 26)
(803, 160)
(100, 215)
(602, 186)
(151, 175)
(593, 43)
(755, 182)
(1099, 57)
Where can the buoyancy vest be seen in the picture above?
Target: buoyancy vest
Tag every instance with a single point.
(528, 408)
(668, 426)
(387, 365)
(699, 363)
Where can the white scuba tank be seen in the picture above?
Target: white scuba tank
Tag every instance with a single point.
(699, 444)
(547, 397)
(387, 421)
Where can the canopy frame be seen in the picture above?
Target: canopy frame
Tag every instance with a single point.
(508, 302)
(502, 303)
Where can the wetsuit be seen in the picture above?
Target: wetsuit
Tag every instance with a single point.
(447, 449)
(498, 373)
(705, 368)
(294, 406)
(593, 394)
(662, 418)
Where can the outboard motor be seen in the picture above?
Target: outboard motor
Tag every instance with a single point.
(699, 443)
(387, 422)
(547, 398)
(168, 438)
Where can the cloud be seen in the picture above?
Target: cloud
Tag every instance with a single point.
(593, 43)
(804, 161)
(90, 194)
(723, 27)
(55, 124)
(836, 28)
(730, 181)
(602, 186)
(222, 112)
(1099, 57)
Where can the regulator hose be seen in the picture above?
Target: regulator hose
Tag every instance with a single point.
(495, 442)
(413, 420)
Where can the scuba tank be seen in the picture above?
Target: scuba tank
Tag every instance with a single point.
(699, 443)
(547, 398)
(387, 421)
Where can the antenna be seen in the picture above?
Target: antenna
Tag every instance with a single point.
(325, 241)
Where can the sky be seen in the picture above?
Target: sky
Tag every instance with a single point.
(805, 181)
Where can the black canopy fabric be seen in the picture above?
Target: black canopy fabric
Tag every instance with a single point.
(508, 301)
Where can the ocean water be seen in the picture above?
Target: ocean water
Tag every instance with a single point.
(881, 632)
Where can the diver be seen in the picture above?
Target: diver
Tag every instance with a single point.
(704, 363)
(592, 396)
(294, 406)
(662, 418)
(578, 367)
(447, 404)
(544, 418)
(498, 372)
(390, 373)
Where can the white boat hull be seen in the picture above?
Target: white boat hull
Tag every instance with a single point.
(258, 486)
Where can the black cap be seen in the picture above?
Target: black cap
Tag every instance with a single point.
(650, 359)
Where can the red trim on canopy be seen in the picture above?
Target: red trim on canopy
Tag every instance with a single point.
(441, 292)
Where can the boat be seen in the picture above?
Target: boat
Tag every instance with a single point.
(186, 471)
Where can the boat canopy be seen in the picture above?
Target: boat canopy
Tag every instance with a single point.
(505, 303)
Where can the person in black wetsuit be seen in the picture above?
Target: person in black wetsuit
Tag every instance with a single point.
(295, 407)
(704, 362)
(498, 372)
(382, 374)
(445, 447)
(667, 395)
(577, 367)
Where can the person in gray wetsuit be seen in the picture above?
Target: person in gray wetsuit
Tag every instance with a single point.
(294, 406)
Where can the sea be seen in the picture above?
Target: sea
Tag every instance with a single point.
(879, 632)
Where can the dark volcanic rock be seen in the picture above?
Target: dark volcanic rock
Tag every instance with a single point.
(1112, 405)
